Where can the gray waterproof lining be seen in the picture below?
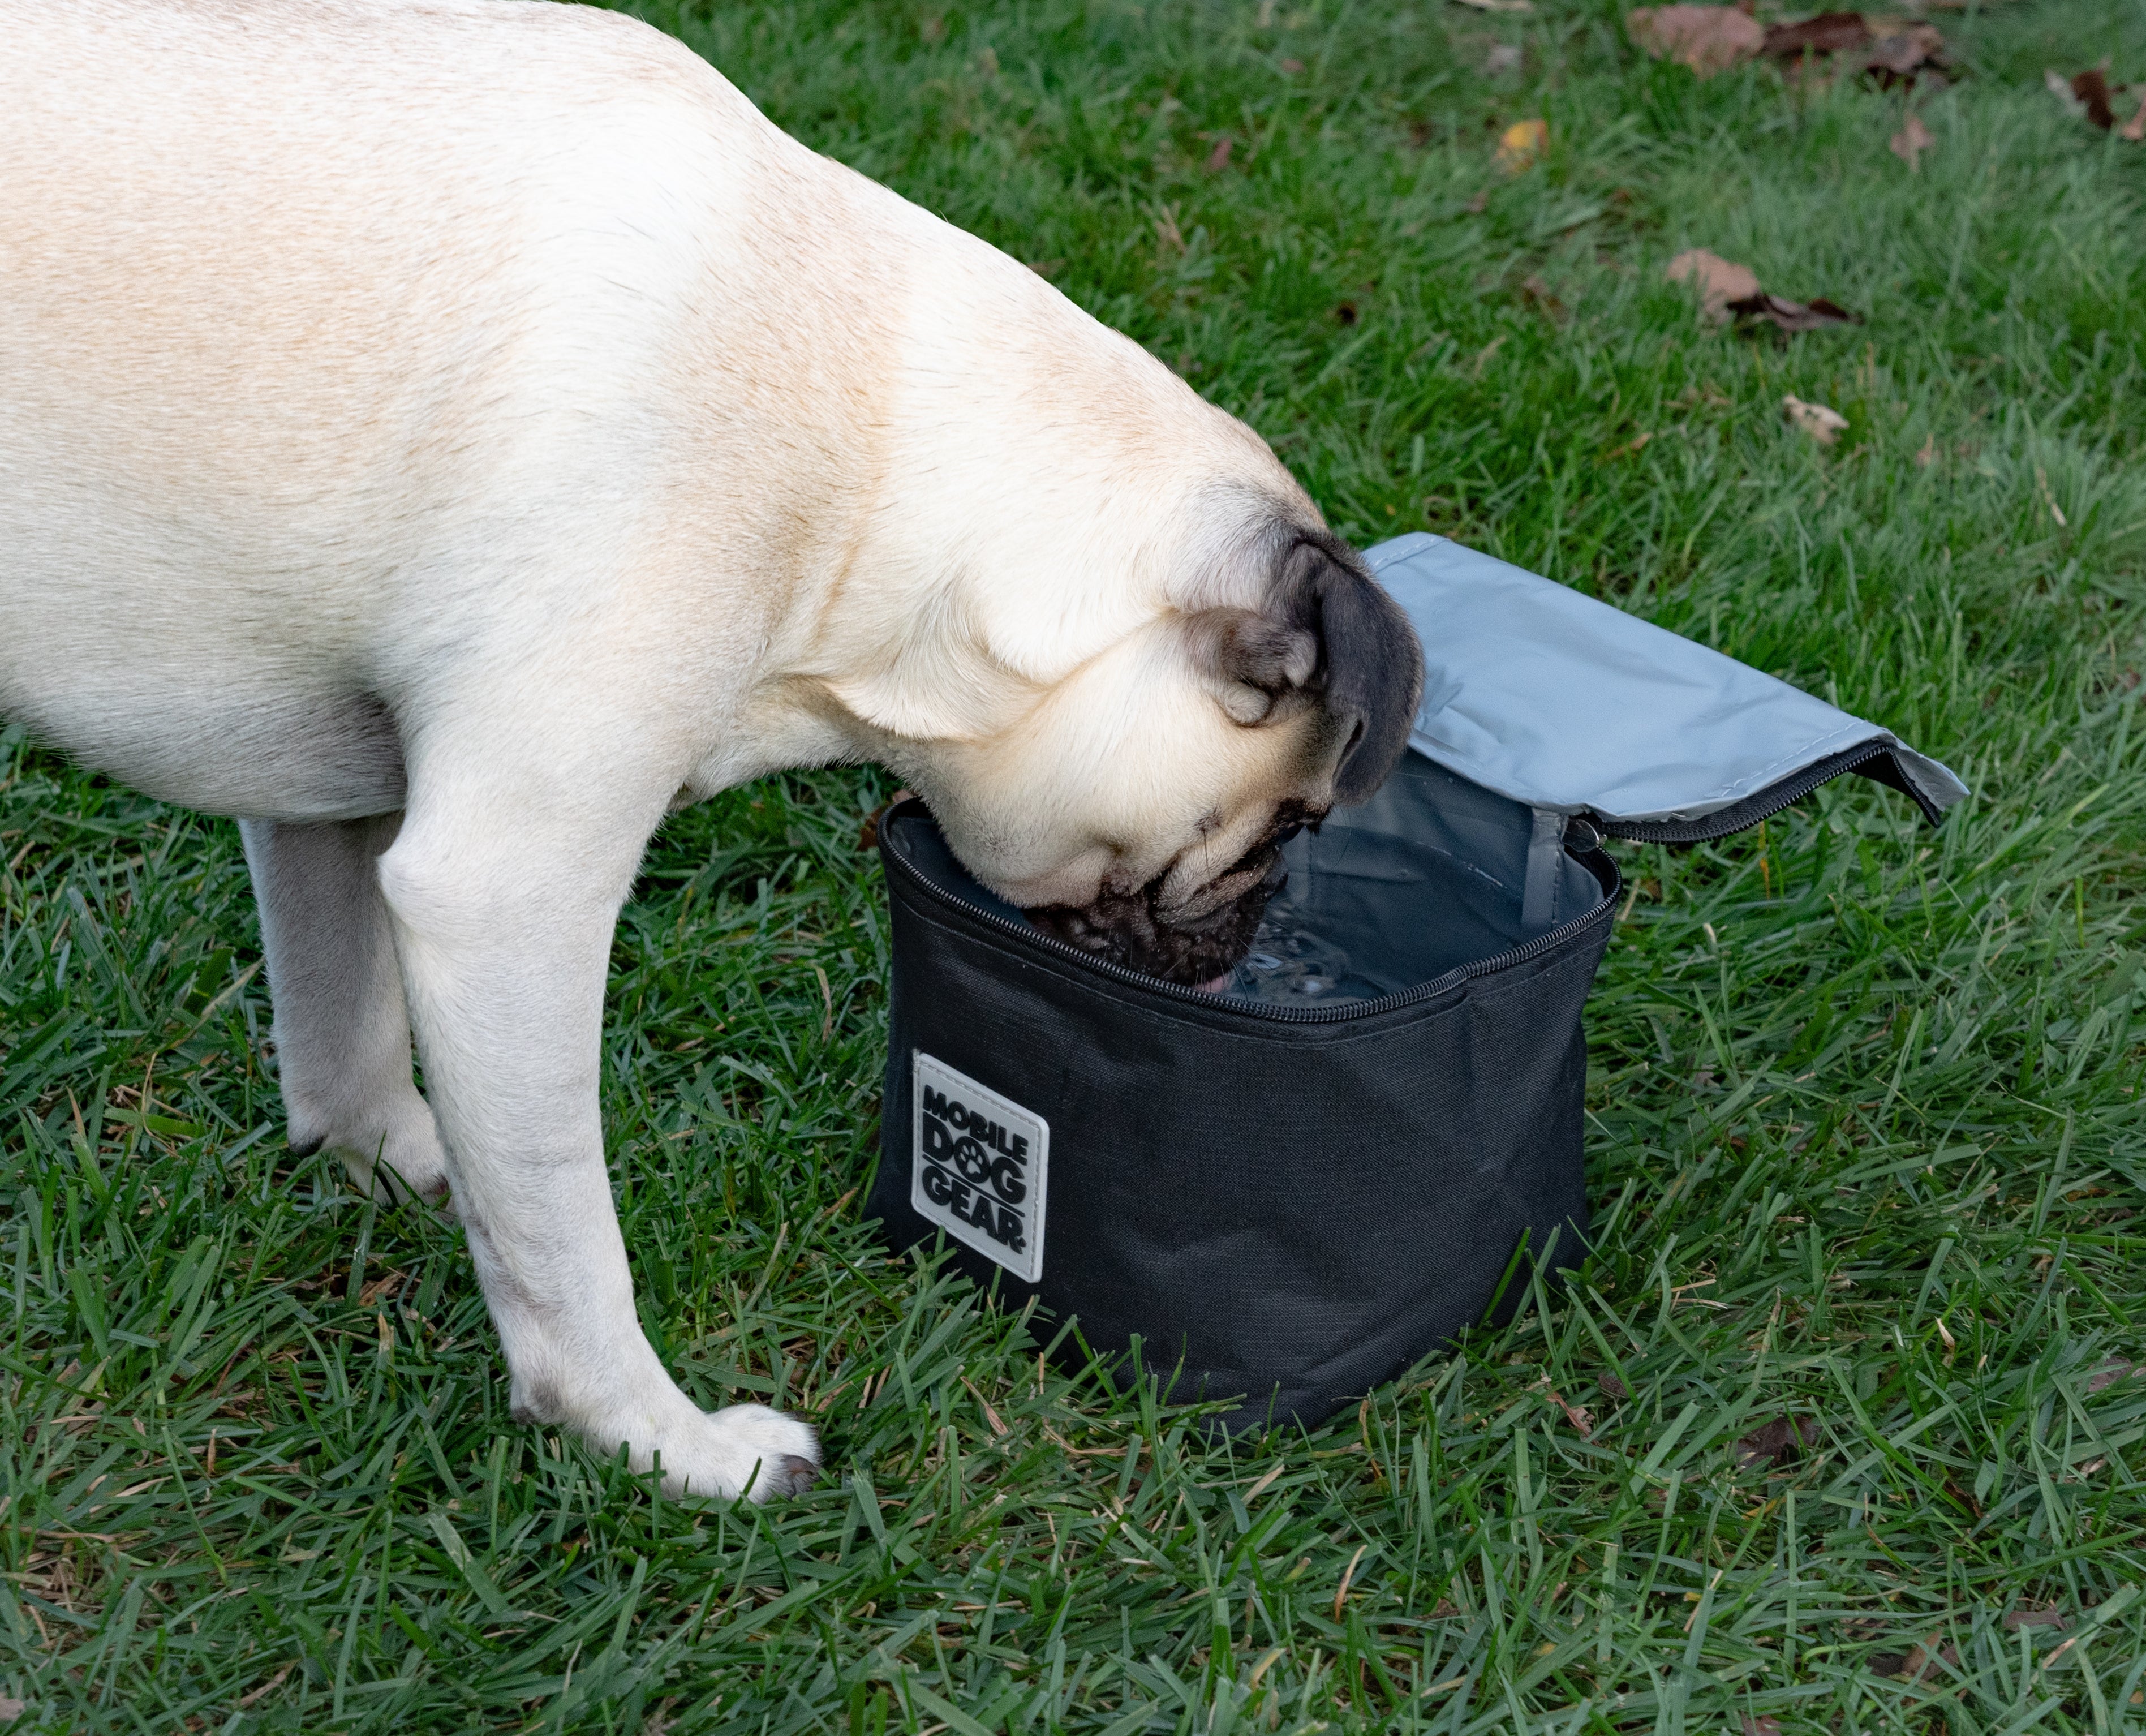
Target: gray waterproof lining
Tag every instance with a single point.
(1430, 874)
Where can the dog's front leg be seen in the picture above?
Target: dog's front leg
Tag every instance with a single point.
(503, 914)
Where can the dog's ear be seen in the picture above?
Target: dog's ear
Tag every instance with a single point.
(1371, 661)
(1250, 661)
(1329, 628)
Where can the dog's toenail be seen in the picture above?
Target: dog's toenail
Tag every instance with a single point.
(801, 1472)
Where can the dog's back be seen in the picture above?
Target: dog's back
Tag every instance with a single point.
(314, 311)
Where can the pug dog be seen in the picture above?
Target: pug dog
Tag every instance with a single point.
(447, 435)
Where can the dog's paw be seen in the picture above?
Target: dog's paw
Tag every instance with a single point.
(391, 1152)
(745, 1449)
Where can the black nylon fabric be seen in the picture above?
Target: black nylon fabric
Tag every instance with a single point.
(1282, 1207)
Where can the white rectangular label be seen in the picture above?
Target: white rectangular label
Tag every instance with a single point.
(979, 1162)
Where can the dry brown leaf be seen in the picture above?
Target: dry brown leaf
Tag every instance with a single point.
(1831, 32)
(10, 1708)
(1783, 1440)
(1910, 141)
(1720, 281)
(2134, 129)
(1891, 51)
(1789, 316)
(1761, 1726)
(1901, 55)
(1823, 424)
(1916, 1663)
(1520, 144)
(1218, 159)
(2015, 1619)
(1535, 290)
(2091, 88)
(1709, 39)
(1923, 1659)
(2110, 1372)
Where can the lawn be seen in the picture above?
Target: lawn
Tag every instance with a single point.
(1865, 1142)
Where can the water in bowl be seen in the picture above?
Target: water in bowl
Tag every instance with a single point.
(1289, 965)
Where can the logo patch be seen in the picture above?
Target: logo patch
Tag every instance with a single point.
(979, 1168)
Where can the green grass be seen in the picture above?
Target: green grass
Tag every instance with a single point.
(1865, 1142)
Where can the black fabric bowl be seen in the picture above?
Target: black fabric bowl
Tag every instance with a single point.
(1284, 1204)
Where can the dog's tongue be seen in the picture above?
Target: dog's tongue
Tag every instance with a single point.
(1215, 986)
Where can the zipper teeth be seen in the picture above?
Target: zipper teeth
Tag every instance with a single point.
(1051, 944)
(1784, 794)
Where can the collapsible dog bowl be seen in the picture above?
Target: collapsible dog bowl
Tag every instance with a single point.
(1290, 1189)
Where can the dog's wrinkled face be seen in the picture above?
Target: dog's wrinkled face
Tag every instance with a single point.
(1128, 927)
(1139, 810)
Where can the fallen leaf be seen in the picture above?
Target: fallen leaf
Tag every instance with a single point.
(1579, 1415)
(2091, 88)
(1901, 58)
(1500, 5)
(1218, 159)
(1503, 57)
(1537, 293)
(1824, 425)
(1720, 281)
(1289, 63)
(1831, 32)
(1709, 39)
(1612, 1388)
(1783, 1440)
(2134, 129)
(10, 1708)
(1761, 1726)
(1894, 54)
(1520, 144)
(2015, 1619)
(2110, 1372)
(1793, 316)
(1910, 141)
(1922, 1659)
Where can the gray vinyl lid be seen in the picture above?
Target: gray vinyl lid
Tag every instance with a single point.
(1572, 706)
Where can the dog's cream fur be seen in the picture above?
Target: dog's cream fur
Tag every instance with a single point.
(448, 433)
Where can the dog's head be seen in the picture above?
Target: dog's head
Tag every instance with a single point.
(1137, 810)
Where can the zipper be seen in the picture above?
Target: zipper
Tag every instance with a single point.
(1739, 816)
(1051, 946)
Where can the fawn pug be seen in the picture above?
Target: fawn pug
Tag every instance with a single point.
(447, 435)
